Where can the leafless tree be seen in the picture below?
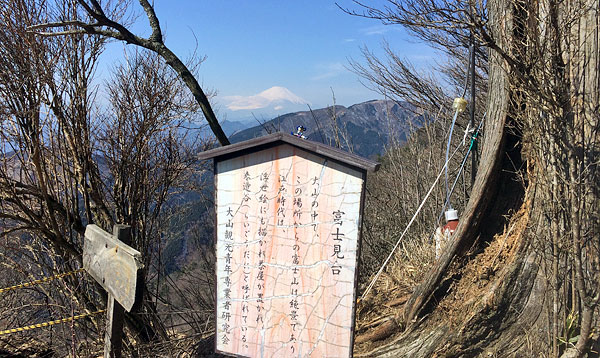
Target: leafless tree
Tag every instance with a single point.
(45, 102)
(536, 184)
(67, 162)
(109, 20)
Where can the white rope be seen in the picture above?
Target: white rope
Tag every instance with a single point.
(462, 166)
(468, 133)
(408, 226)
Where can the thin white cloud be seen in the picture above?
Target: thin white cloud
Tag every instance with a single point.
(377, 29)
(274, 95)
(349, 40)
(329, 70)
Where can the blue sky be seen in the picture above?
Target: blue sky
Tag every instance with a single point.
(301, 48)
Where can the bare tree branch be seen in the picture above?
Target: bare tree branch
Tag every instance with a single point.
(153, 43)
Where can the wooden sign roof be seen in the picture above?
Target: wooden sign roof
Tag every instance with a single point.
(271, 140)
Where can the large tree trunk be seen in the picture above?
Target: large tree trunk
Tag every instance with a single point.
(495, 190)
(515, 271)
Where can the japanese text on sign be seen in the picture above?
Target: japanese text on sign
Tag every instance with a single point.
(287, 240)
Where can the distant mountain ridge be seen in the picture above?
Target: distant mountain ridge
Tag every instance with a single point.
(364, 128)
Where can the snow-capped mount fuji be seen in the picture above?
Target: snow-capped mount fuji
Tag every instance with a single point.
(275, 98)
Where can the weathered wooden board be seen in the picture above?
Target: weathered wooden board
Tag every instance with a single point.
(113, 264)
(288, 226)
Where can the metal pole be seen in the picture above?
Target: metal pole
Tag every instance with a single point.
(474, 155)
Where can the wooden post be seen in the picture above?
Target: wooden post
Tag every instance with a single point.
(115, 313)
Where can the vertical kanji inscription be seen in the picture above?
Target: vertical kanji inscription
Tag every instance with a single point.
(287, 240)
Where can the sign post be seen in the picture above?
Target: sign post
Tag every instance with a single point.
(115, 265)
(288, 239)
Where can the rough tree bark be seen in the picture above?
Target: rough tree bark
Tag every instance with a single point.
(499, 153)
(535, 108)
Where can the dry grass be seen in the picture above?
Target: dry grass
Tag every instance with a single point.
(480, 274)
(409, 267)
(389, 294)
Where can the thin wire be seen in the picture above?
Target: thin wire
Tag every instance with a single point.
(471, 48)
(407, 227)
(454, 121)
(458, 175)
